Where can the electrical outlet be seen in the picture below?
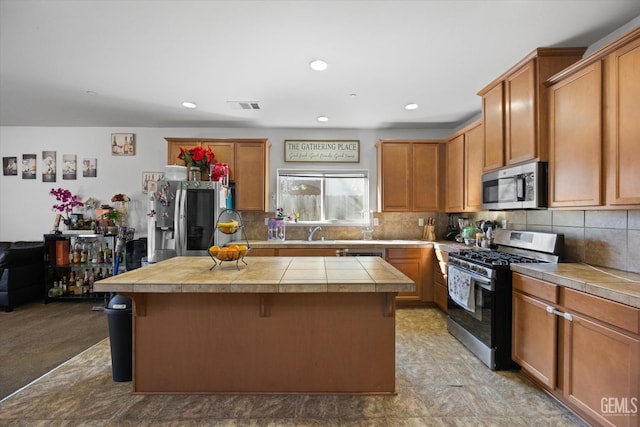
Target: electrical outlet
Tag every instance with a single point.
(376, 222)
(266, 221)
(421, 222)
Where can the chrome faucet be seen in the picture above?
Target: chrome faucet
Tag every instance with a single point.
(312, 230)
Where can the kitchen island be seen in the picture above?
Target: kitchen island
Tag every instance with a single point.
(276, 325)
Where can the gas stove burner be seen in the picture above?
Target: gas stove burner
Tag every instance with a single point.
(495, 258)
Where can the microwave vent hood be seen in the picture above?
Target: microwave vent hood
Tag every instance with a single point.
(522, 186)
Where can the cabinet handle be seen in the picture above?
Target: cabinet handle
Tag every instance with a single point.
(552, 310)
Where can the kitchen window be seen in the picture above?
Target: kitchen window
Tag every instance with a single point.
(336, 197)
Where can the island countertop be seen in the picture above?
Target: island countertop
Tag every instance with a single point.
(261, 275)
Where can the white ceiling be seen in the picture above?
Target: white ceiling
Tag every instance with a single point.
(142, 58)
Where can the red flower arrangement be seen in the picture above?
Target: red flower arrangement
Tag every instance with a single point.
(197, 156)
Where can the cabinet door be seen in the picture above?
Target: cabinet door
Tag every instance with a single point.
(224, 153)
(534, 341)
(251, 176)
(173, 150)
(575, 139)
(395, 177)
(455, 175)
(493, 118)
(412, 268)
(426, 173)
(416, 264)
(622, 125)
(473, 147)
(520, 115)
(601, 372)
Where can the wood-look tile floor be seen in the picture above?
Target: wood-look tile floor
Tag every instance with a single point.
(438, 383)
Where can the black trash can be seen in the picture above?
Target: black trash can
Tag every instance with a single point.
(120, 329)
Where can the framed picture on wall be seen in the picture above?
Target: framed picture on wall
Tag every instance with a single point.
(123, 144)
(48, 166)
(69, 166)
(29, 166)
(89, 168)
(10, 166)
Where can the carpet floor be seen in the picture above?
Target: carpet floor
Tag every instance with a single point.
(438, 383)
(37, 337)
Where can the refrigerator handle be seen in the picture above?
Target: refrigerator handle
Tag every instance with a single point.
(180, 219)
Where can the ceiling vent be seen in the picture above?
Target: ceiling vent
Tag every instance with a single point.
(244, 105)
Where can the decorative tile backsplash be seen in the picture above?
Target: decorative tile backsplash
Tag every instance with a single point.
(607, 238)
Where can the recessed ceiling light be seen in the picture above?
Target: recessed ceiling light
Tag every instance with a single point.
(323, 118)
(318, 65)
(411, 106)
(353, 95)
(188, 104)
(90, 92)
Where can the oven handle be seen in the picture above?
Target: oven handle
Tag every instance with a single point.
(483, 282)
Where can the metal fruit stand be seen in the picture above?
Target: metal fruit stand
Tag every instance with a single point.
(224, 225)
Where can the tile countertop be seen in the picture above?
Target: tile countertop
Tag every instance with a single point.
(341, 244)
(614, 285)
(261, 275)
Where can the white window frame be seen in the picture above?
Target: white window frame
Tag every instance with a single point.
(322, 174)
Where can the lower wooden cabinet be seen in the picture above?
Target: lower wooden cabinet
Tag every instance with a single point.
(306, 252)
(440, 289)
(416, 263)
(583, 349)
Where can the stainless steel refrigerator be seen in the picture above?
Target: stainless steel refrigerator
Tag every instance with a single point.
(183, 219)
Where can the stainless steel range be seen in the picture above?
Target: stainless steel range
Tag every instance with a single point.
(479, 282)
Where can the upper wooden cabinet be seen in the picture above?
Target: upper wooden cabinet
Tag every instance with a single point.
(454, 155)
(622, 124)
(514, 108)
(409, 174)
(248, 161)
(575, 139)
(464, 160)
(594, 128)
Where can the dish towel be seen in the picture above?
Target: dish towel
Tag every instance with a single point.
(462, 289)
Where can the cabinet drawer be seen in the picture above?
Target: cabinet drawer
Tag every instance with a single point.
(404, 253)
(442, 255)
(261, 252)
(440, 278)
(441, 268)
(611, 312)
(538, 288)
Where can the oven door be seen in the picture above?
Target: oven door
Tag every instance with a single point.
(479, 322)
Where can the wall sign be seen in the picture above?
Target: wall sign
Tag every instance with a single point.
(331, 151)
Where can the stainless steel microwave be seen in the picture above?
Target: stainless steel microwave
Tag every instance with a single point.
(515, 187)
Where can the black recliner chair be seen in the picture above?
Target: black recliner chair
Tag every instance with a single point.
(21, 273)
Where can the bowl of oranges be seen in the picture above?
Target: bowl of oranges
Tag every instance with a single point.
(228, 253)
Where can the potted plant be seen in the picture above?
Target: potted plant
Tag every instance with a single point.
(114, 218)
(67, 201)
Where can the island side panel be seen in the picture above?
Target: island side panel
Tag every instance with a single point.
(303, 343)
